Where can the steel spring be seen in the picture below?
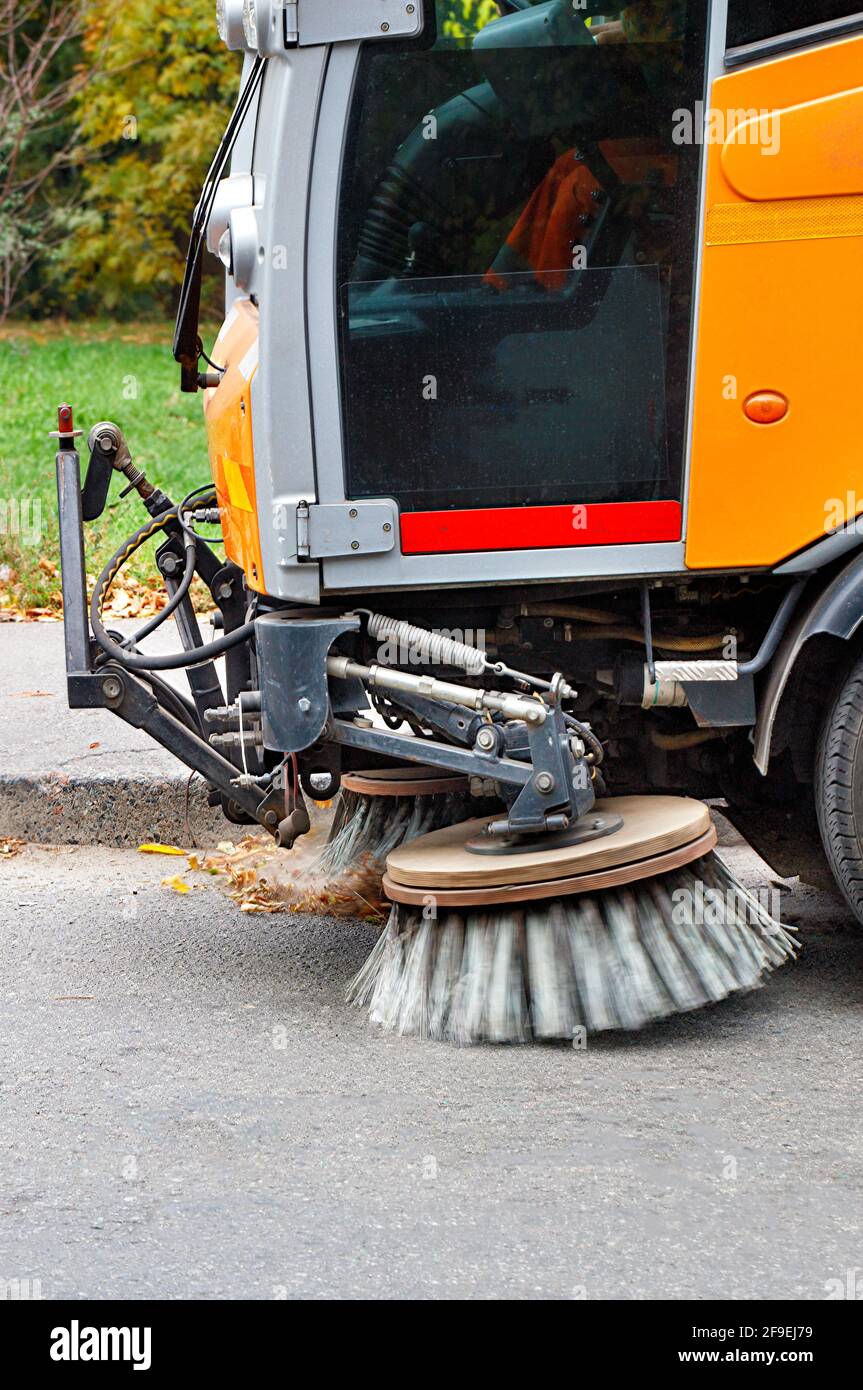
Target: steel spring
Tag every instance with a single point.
(437, 649)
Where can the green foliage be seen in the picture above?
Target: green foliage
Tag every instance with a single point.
(40, 53)
(150, 122)
(122, 373)
(149, 119)
(464, 18)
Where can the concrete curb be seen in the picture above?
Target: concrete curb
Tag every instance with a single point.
(123, 812)
(119, 811)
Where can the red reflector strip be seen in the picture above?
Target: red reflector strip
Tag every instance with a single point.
(535, 528)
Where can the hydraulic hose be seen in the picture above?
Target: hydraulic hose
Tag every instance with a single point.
(173, 661)
(173, 604)
(173, 700)
(587, 736)
(185, 584)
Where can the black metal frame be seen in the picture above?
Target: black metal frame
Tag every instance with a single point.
(545, 783)
(111, 686)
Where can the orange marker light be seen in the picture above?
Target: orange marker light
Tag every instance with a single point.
(765, 407)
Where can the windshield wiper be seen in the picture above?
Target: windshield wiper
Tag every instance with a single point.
(188, 347)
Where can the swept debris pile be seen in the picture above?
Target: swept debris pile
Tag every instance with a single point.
(261, 878)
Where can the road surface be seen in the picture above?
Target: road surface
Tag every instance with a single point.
(189, 1110)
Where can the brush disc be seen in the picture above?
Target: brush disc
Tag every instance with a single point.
(630, 928)
(658, 833)
(572, 965)
(404, 781)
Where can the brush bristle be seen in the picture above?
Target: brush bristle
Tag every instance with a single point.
(373, 826)
(615, 960)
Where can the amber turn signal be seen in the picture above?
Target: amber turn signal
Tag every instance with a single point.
(765, 407)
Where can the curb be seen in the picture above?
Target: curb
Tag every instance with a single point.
(119, 811)
(122, 812)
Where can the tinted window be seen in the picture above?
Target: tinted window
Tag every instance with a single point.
(750, 21)
(516, 255)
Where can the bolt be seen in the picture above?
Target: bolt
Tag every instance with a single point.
(224, 590)
(548, 622)
(112, 687)
(485, 740)
(409, 9)
(387, 527)
(353, 512)
(385, 28)
(355, 545)
(271, 818)
(544, 783)
(304, 705)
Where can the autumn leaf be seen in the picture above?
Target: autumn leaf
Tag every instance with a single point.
(176, 884)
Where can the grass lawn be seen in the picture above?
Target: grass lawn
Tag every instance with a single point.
(121, 372)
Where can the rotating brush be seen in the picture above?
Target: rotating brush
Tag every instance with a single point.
(610, 934)
(381, 809)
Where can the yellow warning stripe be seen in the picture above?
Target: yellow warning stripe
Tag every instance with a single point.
(787, 219)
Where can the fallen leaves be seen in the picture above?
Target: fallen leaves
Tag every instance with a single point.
(176, 884)
(10, 846)
(11, 614)
(160, 849)
(260, 878)
(129, 597)
(135, 598)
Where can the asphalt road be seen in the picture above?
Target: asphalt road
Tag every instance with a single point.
(157, 1139)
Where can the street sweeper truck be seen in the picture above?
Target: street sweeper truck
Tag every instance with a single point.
(535, 459)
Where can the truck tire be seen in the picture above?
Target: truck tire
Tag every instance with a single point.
(839, 785)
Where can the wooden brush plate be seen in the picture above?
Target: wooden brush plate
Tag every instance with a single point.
(404, 781)
(659, 833)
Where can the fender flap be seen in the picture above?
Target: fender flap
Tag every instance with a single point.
(837, 611)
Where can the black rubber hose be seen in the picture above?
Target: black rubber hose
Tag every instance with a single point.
(192, 539)
(173, 604)
(174, 661)
(171, 699)
(588, 737)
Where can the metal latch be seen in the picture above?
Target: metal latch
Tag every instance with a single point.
(327, 529)
(308, 22)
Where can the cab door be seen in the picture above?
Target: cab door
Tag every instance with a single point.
(516, 210)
